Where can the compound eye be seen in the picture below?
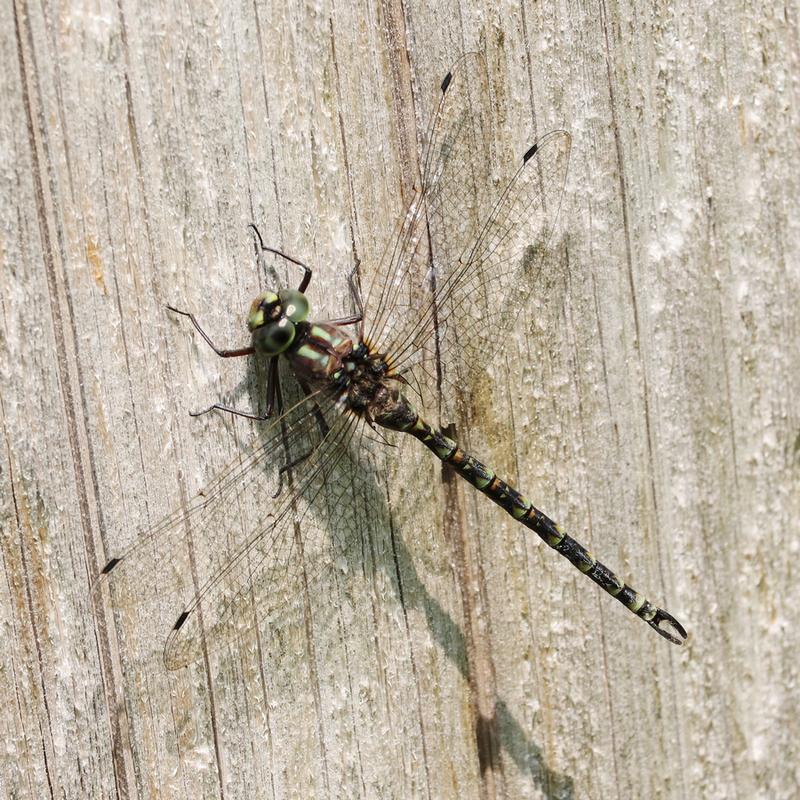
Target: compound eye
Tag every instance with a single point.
(259, 308)
(294, 304)
(274, 337)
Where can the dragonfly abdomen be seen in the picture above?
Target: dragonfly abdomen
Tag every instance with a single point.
(509, 499)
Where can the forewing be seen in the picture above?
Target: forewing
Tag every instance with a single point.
(474, 297)
(454, 189)
(232, 535)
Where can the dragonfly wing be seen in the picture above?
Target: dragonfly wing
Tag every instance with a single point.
(455, 186)
(280, 560)
(476, 296)
(196, 547)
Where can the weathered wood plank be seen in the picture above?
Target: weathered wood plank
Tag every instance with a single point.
(648, 402)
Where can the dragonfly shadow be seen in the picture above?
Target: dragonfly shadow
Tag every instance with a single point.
(502, 728)
(363, 550)
(340, 550)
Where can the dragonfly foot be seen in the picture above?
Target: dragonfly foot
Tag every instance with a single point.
(178, 311)
(200, 413)
(665, 616)
(287, 468)
(246, 414)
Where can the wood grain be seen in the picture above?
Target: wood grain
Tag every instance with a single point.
(649, 403)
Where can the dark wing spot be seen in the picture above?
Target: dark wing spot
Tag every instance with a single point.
(531, 152)
(181, 620)
(446, 81)
(111, 564)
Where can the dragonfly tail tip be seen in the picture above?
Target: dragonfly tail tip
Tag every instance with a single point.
(662, 616)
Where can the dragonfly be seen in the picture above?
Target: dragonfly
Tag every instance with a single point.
(450, 285)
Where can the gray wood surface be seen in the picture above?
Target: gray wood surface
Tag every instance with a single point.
(650, 404)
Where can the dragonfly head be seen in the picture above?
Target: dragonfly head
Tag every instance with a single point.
(273, 319)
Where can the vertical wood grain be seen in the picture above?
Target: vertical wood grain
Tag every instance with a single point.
(648, 402)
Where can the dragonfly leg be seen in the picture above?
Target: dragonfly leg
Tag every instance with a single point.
(355, 296)
(286, 468)
(377, 431)
(264, 249)
(354, 319)
(274, 397)
(320, 421)
(235, 411)
(222, 353)
(320, 417)
(358, 301)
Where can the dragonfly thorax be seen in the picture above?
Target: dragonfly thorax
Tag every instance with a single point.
(364, 375)
(273, 320)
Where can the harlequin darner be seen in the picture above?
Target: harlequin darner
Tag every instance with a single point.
(454, 278)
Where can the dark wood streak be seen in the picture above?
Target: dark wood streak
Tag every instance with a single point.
(480, 666)
(35, 122)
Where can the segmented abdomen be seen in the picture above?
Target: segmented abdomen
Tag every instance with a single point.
(484, 479)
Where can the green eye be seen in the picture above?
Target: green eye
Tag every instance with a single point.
(294, 304)
(256, 317)
(274, 337)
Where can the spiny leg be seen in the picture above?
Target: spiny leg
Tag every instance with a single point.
(286, 467)
(273, 392)
(222, 353)
(235, 411)
(323, 429)
(356, 318)
(351, 320)
(355, 296)
(322, 423)
(264, 249)
(298, 460)
(358, 300)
